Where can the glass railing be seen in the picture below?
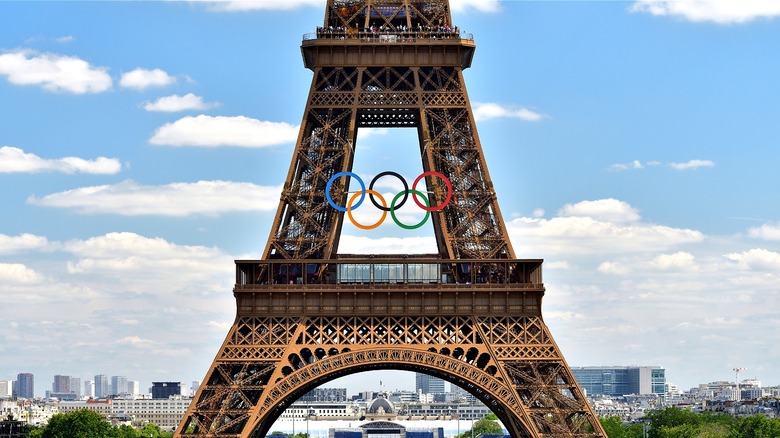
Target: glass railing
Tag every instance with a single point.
(375, 270)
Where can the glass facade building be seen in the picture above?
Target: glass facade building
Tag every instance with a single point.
(617, 381)
(428, 384)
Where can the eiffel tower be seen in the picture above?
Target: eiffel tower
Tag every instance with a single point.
(470, 314)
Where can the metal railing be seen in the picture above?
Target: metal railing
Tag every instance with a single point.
(387, 37)
(376, 270)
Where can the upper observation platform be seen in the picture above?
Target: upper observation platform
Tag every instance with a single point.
(387, 32)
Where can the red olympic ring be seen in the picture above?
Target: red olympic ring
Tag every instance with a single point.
(449, 191)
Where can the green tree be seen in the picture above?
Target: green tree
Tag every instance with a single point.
(614, 427)
(150, 431)
(757, 426)
(125, 431)
(79, 424)
(488, 425)
(664, 421)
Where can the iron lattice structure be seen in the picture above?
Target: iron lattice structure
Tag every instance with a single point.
(475, 321)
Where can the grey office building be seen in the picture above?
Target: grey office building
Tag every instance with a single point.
(428, 384)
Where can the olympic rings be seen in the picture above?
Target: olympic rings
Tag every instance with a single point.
(394, 205)
(333, 178)
(381, 219)
(395, 219)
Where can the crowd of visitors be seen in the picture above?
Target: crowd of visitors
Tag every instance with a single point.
(383, 32)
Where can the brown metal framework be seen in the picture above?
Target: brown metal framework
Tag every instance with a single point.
(473, 317)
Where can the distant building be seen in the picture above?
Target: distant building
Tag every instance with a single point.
(102, 389)
(75, 386)
(617, 381)
(119, 385)
(89, 388)
(165, 389)
(428, 384)
(25, 387)
(166, 413)
(133, 387)
(61, 384)
(325, 395)
(6, 388)
(385, 429)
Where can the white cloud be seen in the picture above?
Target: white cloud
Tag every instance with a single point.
(15, 160)
(486, 111)
(612, 268)
(147, 265)
(175, 103)
(252, 5)
(717, 11)
(208, 131)
(766, 231)
(17, 273)
(692, 164)
(756, 259)
(636, 164)
(141, 79)
(677, 261)
(477, 5)
(606, 226)
(607, 210)
(386, 245)
(22, 242)
(54, 72)
(176, 199)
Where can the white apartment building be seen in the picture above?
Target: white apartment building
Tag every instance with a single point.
(166, 413)
(6, 388)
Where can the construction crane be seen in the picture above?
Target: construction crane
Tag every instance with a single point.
(737, 370)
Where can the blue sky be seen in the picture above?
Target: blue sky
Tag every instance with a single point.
(633, 146)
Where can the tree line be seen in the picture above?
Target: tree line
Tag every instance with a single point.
(86, 423)
(674, 422)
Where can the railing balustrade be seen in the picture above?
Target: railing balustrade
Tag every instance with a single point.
(387, 36)
(371, 270)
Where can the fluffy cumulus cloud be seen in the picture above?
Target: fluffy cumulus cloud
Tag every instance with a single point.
(386, 245)
(176, 103)
(213, 131)
(141, 259)
(22, 242)
(15, 160)
(486, 111)
(129, 198)
(678, 261)
(757, 258)
(692, 165)
(605, 226)
(766, 231)
(53, 72)
(17, 273)
(141, 79)
(716, 11)
(605, 210)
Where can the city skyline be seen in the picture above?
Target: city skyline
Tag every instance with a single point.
(632, 146)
